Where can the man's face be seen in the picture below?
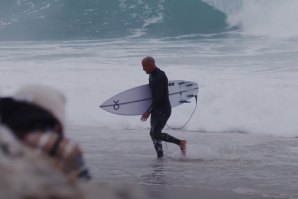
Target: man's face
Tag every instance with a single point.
(147, 67)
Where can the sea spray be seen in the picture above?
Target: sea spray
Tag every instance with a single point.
(265, 18)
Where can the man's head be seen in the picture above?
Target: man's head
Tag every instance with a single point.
(148, 64)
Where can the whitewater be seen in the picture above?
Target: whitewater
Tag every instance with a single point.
(245, 85)
(243, 135)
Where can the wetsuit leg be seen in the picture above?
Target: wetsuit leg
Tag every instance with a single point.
(158, 122)
(158, 147)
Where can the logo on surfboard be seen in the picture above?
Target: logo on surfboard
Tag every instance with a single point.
(116, 105)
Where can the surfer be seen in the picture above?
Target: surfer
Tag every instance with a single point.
(160, 108)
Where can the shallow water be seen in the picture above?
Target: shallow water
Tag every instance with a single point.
(243, 163)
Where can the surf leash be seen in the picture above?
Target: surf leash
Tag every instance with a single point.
(181, 127)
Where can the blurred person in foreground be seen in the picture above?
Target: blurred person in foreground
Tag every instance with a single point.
(36, 116)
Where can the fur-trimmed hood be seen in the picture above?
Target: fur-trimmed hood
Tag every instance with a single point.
(46, 97)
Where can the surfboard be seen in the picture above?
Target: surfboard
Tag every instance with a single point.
(136, 101)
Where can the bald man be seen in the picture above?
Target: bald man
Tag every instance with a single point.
(160, 108)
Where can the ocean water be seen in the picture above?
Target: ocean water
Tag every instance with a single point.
(243, 54)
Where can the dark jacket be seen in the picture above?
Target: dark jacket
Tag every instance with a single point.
(158, 83)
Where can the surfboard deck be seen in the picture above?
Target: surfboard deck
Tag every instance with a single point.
(135, 101)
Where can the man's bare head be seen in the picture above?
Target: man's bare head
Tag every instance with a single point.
(148, 64)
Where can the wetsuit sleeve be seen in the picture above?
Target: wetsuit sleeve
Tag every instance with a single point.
(158, 90)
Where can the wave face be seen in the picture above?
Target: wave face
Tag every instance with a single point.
(98, 19)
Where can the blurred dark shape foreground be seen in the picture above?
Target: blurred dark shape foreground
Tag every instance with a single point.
(37, 160)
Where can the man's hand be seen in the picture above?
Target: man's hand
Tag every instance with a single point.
(145, 116)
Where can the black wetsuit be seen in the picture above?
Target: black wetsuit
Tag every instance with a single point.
(160, 110)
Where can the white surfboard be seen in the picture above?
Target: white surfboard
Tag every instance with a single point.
(136, 101)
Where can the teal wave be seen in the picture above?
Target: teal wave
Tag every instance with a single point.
(102, 19)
